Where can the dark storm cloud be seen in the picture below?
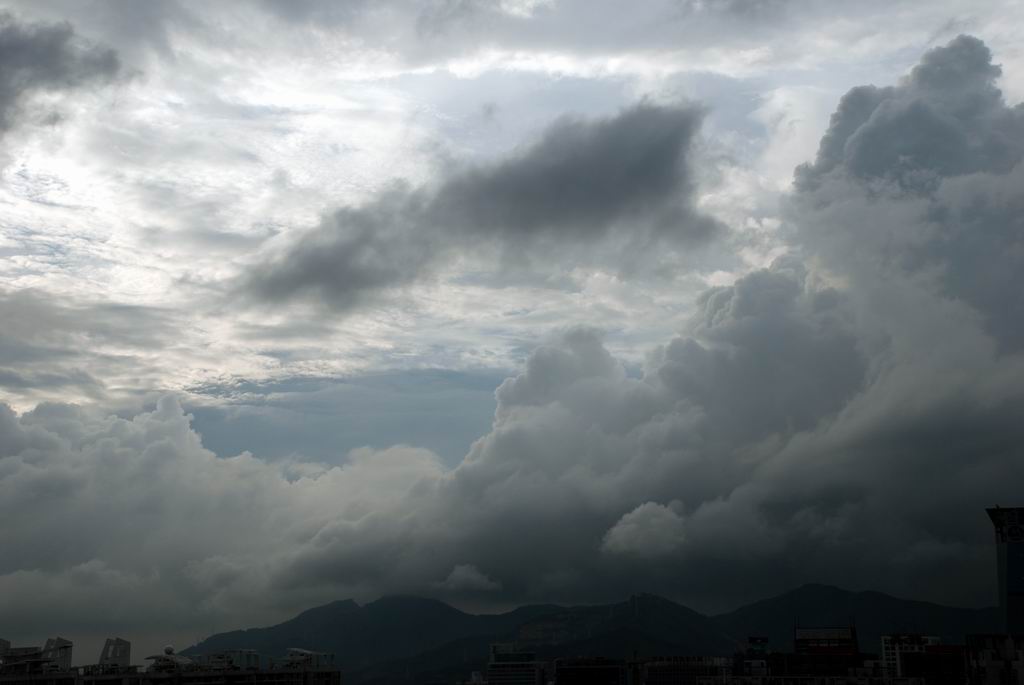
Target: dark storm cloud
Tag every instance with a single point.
(586, 186)
(942, 153)
(843, 420)
(37, 58)
(582, 178)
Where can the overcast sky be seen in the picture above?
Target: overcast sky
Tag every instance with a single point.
(501, 301)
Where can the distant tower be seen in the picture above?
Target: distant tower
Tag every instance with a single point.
(58, 650)
(117, 653)
(1009, 524)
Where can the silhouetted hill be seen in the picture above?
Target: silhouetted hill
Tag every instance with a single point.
(874, 614)
(411, 639)
(389, 628)
(648, 618)
(645, 625)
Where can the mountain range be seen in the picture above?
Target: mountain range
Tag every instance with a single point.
(397, 639)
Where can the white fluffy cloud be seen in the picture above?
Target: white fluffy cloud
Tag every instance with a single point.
(651, 530)
(466, 578)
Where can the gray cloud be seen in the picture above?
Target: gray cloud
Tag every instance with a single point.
(53, 346)
(840, 416)
(37, 58)
(844, 415)
(619, 184)
(946, 119)
(424, 32)
(933, 162)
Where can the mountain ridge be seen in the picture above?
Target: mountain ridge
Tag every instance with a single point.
(408, 634)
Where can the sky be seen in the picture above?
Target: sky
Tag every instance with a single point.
(499, 302)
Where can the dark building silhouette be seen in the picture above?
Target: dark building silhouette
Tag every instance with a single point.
(116, 653)
(30, 665)
(896, 647)
(935, 664)
(684, 670)
(58, 650)
(50, 665)
(1009, 525)
(753, 660)
(590, 671)
(819, 652)
(995, 659)
(511, 666)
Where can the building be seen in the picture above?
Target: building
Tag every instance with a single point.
(509, 665)
(895, 646)
(1009, 528)
(819, 652)
(58, 650)
(116, 654)
(935, 665)
(590, 671)
(228, 660)
(995, 659)
(169, 662)
(24, 665)
(37, 666)
(685, 670)
(753, 660)
(815, 641)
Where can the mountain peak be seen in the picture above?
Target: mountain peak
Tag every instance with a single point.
(338, 607)
(407, 633)
(411, 603)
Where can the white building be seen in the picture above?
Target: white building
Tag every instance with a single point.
(895, 645)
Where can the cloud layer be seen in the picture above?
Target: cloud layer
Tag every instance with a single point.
(839, 412)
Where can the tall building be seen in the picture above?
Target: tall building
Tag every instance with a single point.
(1009, 525)
(995, 659)
(58, 650)
(895, 647)
(117, 653)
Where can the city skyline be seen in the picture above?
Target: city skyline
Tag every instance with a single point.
(813, 632)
